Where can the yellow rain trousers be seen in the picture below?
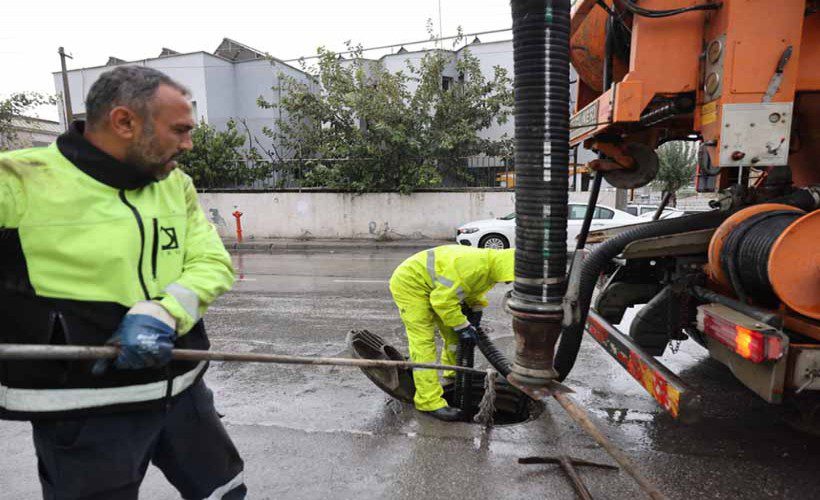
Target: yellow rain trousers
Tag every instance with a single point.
(429, 289)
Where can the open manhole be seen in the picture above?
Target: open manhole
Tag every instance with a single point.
(511, 405)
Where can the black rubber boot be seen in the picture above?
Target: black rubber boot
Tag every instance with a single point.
(446, 414)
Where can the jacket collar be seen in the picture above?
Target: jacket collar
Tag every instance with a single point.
(99, 164)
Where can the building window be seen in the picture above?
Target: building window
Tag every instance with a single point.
(446, 82)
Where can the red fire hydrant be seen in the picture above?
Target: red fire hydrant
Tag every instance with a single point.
(238, 215)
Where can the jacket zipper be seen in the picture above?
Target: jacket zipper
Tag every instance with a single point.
(142, 242)
(155, 249)
(169, 384)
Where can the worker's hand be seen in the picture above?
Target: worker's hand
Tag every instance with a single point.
(473, 315)
(145, 337)
(468, 332)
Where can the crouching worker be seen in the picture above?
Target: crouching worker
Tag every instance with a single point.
(430, 289)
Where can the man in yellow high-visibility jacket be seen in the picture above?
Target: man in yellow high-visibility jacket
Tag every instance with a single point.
(103, 240)
(430, 289)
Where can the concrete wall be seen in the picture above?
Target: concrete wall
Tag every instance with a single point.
(347, 215)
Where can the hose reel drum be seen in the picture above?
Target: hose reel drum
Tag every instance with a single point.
(769, 253)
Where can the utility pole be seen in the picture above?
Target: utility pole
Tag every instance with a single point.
(69, 116)
(620, 199)
(440, 32)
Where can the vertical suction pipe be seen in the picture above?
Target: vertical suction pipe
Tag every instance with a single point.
(542, 100)
(465, 356)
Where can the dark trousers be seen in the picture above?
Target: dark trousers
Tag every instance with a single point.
(106, 456)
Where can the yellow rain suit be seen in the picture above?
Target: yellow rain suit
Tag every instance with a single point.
(429, 289)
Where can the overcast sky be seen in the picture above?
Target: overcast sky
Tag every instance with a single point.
(93, 30)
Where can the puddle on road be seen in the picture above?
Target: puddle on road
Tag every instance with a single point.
(623, 415)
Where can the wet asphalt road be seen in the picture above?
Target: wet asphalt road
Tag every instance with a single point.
(323, 432)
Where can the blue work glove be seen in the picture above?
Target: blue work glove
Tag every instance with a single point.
(474, 317)
(468, 332)
(145, 337)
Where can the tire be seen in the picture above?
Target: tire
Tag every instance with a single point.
(494, 240)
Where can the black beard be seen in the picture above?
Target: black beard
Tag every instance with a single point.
(140, 155)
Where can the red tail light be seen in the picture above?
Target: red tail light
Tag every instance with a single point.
(753, 344)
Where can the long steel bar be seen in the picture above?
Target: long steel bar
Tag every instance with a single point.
(55, 352)
(579, 415)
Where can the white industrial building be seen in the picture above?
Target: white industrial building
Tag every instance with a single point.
(227, 83)
(224, 84)
(29, 132)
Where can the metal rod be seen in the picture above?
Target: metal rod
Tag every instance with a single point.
(591, 204)
(581, 418)
(570, 471)
(60, 352)
(662, 205)
(69, 115)
(568, 465)
(606, 84)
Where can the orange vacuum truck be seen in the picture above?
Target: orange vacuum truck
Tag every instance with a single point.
(741, 78)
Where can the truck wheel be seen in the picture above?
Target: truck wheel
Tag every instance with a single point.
(494, 241)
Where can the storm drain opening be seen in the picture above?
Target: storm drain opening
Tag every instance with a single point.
(511, 405)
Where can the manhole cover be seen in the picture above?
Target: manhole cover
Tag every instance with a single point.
(397, 382)
(512, 406)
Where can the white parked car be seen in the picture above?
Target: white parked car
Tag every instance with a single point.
(669, 213)
(500, 233)
(638, 210)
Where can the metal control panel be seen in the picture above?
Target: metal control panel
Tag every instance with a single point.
(755, 134)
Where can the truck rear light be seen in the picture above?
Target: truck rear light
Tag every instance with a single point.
(753, 344)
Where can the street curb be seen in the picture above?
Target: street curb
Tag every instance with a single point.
(268, 246)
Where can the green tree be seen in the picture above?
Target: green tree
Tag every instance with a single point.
(360, 127)
(17, 105)
(219, 158)
(678, 160)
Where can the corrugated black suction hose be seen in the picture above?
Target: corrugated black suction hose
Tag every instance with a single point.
(745, 253)
(496, 358)
(571, 335)
(542, 101)
(465, 356)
